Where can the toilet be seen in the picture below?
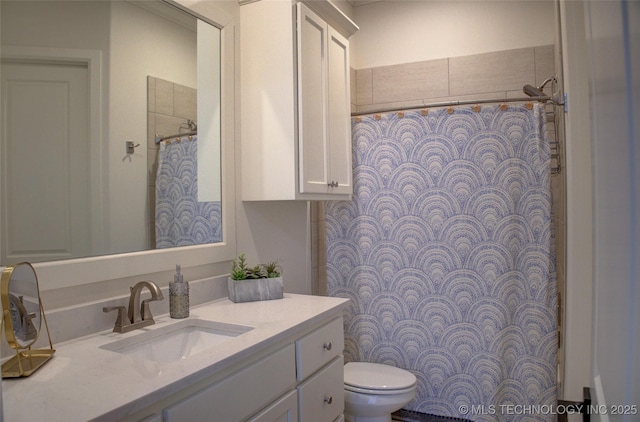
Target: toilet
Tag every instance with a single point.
(372, 391)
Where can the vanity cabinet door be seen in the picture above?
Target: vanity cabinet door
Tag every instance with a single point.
(152, 418)
(284, 410)
(240, 395)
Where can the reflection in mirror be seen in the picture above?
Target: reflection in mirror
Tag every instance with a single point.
(24, 304)
(22, 320)
(20, 295)
(182, 215)
(68, 187)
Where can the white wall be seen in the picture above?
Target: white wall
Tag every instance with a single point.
(394, 32)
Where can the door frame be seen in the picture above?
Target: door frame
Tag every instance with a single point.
(92, 59)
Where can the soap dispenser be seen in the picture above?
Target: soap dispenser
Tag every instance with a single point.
(178, 296)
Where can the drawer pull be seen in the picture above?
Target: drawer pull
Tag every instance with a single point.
(327, 346)
(328, 400)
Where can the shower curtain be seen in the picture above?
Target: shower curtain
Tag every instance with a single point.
(446, 255)
(181, 220)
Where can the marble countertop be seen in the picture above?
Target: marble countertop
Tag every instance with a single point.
(85, 382)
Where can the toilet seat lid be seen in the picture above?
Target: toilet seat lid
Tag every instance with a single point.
(376, 376)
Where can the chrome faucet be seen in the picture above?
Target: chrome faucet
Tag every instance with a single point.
(138, 316)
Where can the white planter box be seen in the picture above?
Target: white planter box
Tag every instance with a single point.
(255, 289)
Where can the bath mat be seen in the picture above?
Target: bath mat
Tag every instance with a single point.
(403, 415)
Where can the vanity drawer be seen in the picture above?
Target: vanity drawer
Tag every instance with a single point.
(321, 397)
(257, 385)
(319, 347)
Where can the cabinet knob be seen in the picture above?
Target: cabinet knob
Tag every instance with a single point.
(328, 400)
(333, 184)
(327, 346)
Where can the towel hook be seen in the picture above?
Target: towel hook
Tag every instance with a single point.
(131, 147)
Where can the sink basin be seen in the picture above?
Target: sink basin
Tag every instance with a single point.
(177, 341)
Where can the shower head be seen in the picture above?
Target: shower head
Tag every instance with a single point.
(532, 91)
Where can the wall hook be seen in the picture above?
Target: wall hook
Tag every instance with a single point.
(131, 147)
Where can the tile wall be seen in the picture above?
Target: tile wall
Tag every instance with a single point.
(497, 75)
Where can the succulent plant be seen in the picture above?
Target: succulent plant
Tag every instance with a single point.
(273, 269)
(240, 270)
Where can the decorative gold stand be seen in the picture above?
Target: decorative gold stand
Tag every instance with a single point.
(18, 322)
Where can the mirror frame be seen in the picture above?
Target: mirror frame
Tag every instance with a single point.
(73, 272)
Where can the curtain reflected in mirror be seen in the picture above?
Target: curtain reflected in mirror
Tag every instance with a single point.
(75, 89)
(179, 215)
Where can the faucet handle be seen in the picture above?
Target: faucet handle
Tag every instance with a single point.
(121, 321)
(145, 311)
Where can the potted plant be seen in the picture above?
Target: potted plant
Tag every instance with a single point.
(249, 284)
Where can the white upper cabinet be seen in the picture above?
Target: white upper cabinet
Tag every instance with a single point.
(323, 107)
(296, 128)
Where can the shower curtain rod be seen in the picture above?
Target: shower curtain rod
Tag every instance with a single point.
(542, 99)
(177, 135)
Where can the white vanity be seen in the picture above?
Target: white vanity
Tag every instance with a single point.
(287, 367)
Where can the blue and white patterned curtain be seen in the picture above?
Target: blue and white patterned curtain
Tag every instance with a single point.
(181, 220)
(446, 254)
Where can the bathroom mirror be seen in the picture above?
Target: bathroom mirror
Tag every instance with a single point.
(67, 273)
(22, 320)
(69, 188)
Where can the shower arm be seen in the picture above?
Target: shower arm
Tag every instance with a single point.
(546, 81)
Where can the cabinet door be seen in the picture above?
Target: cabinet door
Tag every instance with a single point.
(312, 102)
(241, 394)
(152, 418)
(339, 122)
(283, 410)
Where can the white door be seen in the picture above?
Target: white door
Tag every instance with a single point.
(324, 102)
(312, 101)
(614, 28)
(339, 110)
(45, 203)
